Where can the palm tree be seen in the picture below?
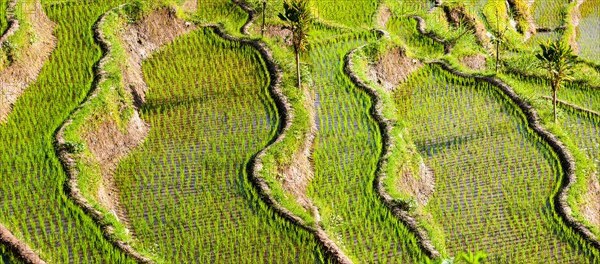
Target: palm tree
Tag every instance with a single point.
(558, 60)
(470, 258)
(298, 20)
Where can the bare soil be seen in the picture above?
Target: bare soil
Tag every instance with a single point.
(143, 38)
(459, 15)
(575, 18)
(190, 5)
(591, 205)
(383, 16)
(393, 68)
(475, 62)
(421, 187)
(21, 249)
(276, 32)
(298, 175)
(15, 78)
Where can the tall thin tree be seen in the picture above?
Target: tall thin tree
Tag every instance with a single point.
(557, 59)
(299, 21)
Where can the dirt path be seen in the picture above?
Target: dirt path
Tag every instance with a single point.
(24, 70)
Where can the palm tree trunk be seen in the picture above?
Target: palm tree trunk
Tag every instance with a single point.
(554, 102)
(298, 67)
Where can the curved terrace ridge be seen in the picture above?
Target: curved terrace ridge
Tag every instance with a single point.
(69, 161)
(565, 157)
(21, 250)
(287, 115)
(22, 69)
(385, 126)
(136, 131)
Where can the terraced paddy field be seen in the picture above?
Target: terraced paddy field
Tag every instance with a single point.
(344, 159)
(494, 178)
(588, 30)
(34, 204)
(547, 14)
(188, 183)
(198, 189)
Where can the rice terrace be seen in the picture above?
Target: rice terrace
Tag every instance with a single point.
(300, 131)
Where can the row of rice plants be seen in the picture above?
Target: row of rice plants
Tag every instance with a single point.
(350, 13)
(3, 18)
(186, 189)
(32, 199)
(6, 257)
(585, 130)
(588, 30)
(345, 157)
(534, 88)
(494, 179)
(548, 14)
(224, 11)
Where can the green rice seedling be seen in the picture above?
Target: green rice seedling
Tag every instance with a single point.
(221, 11)
(353, 14)
(186, 189)
(549, 14)
(345, 157)
(588, 31)
(495, 179)
(3, 18)
(33, 202)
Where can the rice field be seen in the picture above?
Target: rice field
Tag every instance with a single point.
(586, 132)
(346, 146)
(547, 14)
(188, 184)
(3, 18)
(494, 178)
(355, 14)
(187, 193)
(588, 30)
(33, 201)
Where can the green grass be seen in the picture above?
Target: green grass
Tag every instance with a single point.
(345, 156)
(186, 189)
(33, 200)
(494, 178)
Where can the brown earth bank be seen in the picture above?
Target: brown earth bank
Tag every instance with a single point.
(522, 12)
(301, 171)
(21, 250)
(383, 16)
(575, 17)
(591, 202)
(421, 187)
(107, 142)
(297, 176)
(385, 126)
(25, 68)
(393, 68)
(458, 15)
(474, 62)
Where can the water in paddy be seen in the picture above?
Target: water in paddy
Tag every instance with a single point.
(589, 30)
(494, 179)
(345, 156)
(185, 189)
(547, 13)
